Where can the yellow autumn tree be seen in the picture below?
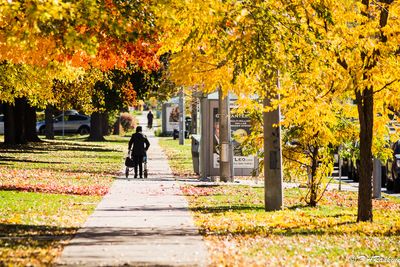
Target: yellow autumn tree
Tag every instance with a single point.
(360, 41)
(240, 46)
(346, 50)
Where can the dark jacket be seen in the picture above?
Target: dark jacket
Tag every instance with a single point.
(150, 116)
(139, 144)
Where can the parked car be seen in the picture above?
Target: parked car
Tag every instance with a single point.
(1, 124)
(73, 123)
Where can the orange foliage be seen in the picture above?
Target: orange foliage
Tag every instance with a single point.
(113, 53)
(129, 94)
(41, 52)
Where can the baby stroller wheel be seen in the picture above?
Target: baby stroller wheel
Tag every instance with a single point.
(126, 172)
(145, 173)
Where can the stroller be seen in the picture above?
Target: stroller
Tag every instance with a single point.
(130, 164)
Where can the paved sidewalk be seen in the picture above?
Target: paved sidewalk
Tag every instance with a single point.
(139, 223)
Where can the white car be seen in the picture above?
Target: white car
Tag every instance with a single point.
(1, 124)
(72, 123)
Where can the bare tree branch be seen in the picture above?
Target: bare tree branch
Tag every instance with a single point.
(385, 86)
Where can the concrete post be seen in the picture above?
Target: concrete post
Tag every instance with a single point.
(377, 179)
(224, 137)
(181, 117)
(272, 159)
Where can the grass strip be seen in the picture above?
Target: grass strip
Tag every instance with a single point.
(47, 191)
(240, 233)
(179, 156)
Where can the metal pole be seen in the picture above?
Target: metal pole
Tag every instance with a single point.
(181, 117)
(272, 157)
(63, 123)
(194, 110)
(340, 170)
(231, 167)
(224, 133)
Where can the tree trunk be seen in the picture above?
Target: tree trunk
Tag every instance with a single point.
(365, 105)
(117, 125)
(10, 136)
(30, 124)
(20, 123)
(96, 127)
(104, 122)
(48, 114)
(313, 185)
(20, 108)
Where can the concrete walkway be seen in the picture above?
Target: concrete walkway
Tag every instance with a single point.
(139, 223)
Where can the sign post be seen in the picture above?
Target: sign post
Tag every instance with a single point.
(181, 117)
(224, 137)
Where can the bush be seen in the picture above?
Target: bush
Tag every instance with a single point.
(158, 132)
(127, 122)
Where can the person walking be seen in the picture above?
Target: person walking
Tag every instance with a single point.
(150, 117)
(138, 145)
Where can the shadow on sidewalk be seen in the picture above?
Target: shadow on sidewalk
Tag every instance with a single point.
(36, 236)
(93, 236)
(152, 179)
(146, 208)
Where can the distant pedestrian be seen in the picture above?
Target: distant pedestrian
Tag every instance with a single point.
(150, 117)
(138, 144)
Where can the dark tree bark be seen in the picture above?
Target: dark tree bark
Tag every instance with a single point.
(96, 127)
(365, 105)
(49, 130)
(104, 121)
(19, 123)
(20, 108)
(10, 136)
(314, 186)
(30, 124)
(117, 126)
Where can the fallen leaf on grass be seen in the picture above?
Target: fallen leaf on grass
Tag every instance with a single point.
(94, 190)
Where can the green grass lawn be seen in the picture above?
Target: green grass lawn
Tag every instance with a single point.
(239, 232)
(180, 157)
(47, 191)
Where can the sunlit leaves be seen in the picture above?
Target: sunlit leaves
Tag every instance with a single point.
(72, 26)
(74, 36)
(239, 232)
(65, 181)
